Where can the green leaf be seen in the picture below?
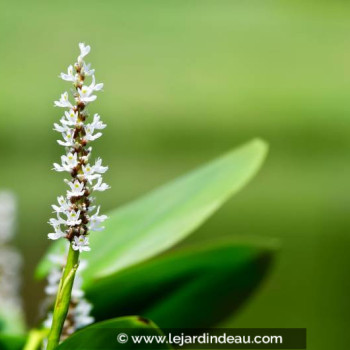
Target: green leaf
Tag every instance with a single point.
(103, 335)
(11, 342)
(159, 220)
(197, 287)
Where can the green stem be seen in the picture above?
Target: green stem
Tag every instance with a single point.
(35, 339)
(63, 299)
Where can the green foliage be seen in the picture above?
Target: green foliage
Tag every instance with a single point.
(193, 287)
(197, 287)
(103, 335)
(11, 342)
(154, 223)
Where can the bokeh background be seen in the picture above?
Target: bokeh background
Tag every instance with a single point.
(184, 82)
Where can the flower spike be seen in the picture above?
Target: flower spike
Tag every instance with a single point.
(74, 218)
(85, 177)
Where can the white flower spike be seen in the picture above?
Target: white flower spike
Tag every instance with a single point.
(74, 211)
(74, 215)
(10, 259)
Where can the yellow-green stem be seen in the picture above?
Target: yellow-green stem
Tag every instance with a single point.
(63, 299)
(35, 339)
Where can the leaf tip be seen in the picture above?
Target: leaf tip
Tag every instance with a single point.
(260, 144)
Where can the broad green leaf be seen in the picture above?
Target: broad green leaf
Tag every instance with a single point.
(196, 287)
(11, 342)
(103, 335)
(159, 220)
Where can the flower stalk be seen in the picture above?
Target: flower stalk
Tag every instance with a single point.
(63, 298)
(35, 339)
(77, 206)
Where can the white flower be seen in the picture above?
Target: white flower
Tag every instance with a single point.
(84, 50)
(69, 162)
(97, 123)
(68, 137)
(91, 208)
(81, 243)
(93, 172)
(63, 102)
(53, 281)
(56, 222)
(47, 324)
(73, 218)
(88, 172)
(83, 265)
(89, 130)
(85, 93)
(70, 76)
(64, 205)
(77, 291)
(76, 189)
(71, 118)
(86, 70)
(100, 186)
(57, 234)
(98, 168)
(96, 220)
(82, 316)
(60, 128)
(95, 87)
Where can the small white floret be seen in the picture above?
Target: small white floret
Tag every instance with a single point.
(70, 76)
(100, 186)
(81, 243)
(68, 138)
(76, 189)
(73, 218)
(96, 221)
(63, 101)
(84, 49)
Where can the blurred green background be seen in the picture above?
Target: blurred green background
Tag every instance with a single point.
(184, 82)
